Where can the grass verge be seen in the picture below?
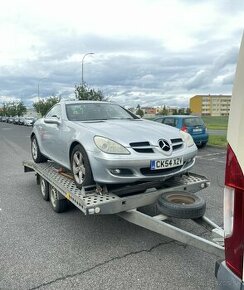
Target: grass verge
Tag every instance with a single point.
(216, 123)
(216, 140)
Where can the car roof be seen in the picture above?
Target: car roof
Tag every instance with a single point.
(178, 116)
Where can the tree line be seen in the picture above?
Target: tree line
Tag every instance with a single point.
(13, 109)
(43, 105)
(82, 92)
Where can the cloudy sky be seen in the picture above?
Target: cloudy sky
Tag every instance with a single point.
(147, 52)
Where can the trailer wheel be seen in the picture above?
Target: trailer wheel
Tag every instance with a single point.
(181, 205)
(35, 151)
(44, 185)
(58, 205)
(81, 168)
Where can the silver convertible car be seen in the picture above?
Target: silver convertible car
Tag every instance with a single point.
(102, 142)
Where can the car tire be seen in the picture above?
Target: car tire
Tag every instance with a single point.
(44, 186)
(35, 151)
(57, 204)
(181, 205)
(203, 145)
(80, 167)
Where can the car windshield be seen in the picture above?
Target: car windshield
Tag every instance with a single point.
(192, 122)
(96, 111)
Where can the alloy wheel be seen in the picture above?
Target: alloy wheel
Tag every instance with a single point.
(79, 169)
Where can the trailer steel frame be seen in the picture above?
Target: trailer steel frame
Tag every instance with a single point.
(96, 200)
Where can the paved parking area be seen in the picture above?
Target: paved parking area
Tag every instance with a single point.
(44, 250)
(212, 154)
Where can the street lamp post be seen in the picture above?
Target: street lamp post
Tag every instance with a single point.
(38, 87)
(82, 63)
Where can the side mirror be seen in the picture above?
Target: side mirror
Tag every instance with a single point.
(52, 120)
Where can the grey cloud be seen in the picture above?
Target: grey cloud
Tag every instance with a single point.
(151, 76)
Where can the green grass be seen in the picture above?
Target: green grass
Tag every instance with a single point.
(216, 140)
(216, 123)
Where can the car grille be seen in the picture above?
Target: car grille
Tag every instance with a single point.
(176, 143)
(142, 147)
(145, 147)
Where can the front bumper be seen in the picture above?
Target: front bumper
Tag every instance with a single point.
(226, 279)
(136, 167)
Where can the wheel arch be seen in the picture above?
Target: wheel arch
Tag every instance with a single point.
(72, 146)
(32, 135)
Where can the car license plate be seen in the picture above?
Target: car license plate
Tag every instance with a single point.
(197, 130)
(167, 163)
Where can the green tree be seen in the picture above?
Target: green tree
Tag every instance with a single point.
(44, 105)
(10, 109)
(83, 92)
(188, 111)
(181, 111)
(20, 109)
(139, 112)
(164, 111)
(13, 109)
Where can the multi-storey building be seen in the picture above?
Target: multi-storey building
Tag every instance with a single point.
(210, 105)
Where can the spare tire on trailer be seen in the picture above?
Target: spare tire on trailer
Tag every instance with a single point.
(181, 204)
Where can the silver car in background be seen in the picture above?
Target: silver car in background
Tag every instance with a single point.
(29, 121)
(104, 143)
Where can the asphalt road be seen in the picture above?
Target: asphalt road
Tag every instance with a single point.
(40, 249)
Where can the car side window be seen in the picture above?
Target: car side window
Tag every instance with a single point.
(54, 112)
(160, 120)
(169, 121)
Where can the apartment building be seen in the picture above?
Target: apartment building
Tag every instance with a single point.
(210, 105)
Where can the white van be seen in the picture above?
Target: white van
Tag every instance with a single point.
(230, 272)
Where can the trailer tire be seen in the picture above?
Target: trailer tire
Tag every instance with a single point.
(58, 205)
(181, 205)
(35, 151)
(44, 186)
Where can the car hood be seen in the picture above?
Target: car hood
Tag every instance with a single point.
(128, 131)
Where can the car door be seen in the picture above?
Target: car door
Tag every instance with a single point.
(51, 140)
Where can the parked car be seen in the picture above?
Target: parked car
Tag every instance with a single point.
(16, 120)
(105, 143)
(193, 125)
(10, 119)
(29, 121)
(21, 120)
(4, 119)
(230, 271)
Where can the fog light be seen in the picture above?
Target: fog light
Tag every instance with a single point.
(115, 171)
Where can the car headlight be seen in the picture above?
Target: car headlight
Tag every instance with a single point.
(187, 138)
(109, 146)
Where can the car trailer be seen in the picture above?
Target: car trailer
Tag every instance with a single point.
(126, 202)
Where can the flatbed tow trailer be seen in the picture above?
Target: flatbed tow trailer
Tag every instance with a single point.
(95, 200)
